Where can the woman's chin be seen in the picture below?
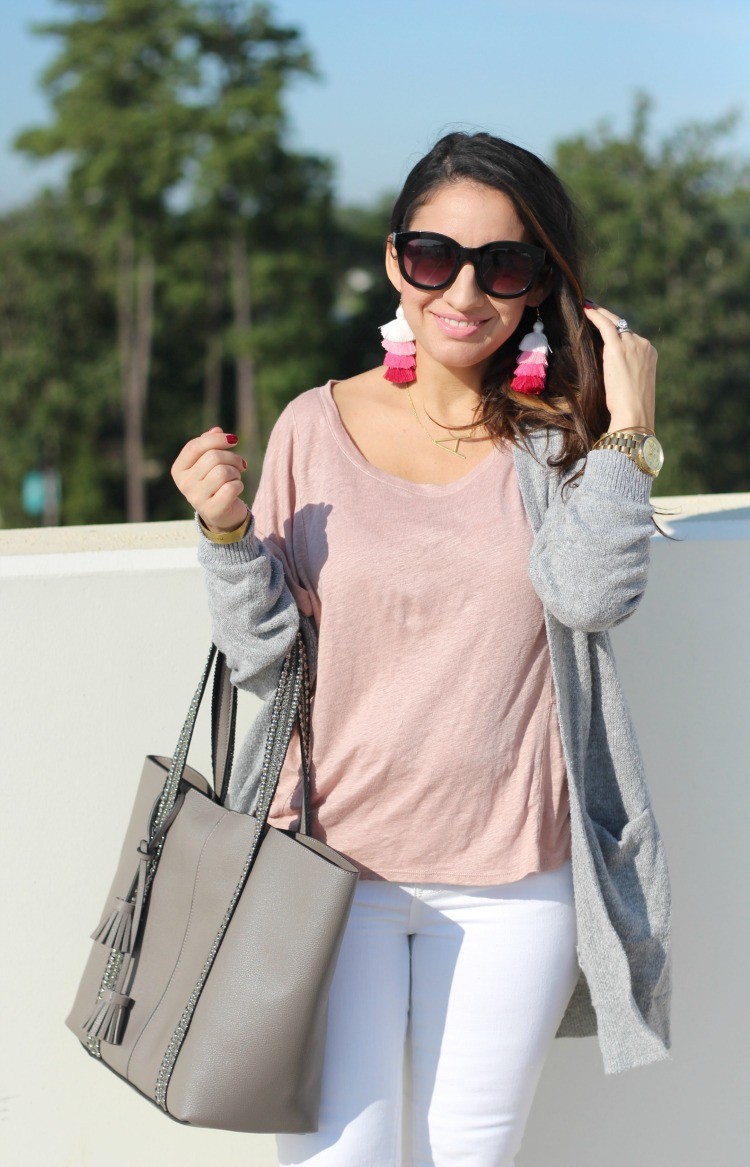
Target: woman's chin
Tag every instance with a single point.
(459, 355)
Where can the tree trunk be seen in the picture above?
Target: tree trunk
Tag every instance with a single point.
(247, 404)
(215, 344)
(135, 325)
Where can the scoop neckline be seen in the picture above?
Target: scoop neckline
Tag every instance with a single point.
(352, 451)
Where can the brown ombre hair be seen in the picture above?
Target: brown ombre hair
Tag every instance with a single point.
(574, 398)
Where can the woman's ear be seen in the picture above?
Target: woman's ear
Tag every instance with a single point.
(391, 264)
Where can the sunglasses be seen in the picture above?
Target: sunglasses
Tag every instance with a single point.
(504, 269)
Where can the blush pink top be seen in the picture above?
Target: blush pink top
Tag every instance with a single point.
(436, 751)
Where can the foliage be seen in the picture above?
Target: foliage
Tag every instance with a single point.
(57, 407)
(365, 297)
(116, 91)
(670, 233)
(176, 130)
(208, 236)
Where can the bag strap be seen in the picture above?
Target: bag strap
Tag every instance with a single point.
(223, 726)
(292, 697)
(291, 708)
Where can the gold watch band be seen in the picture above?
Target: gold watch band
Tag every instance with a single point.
(227, 536)
(630, 443)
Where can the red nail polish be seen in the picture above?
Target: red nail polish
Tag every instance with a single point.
(244, 464)
(232, 439)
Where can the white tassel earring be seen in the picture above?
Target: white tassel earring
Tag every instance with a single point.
(531, 370)
(400, 350)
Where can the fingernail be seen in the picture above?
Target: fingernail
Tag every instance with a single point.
(232, 439)
(590, 304)
(244, 464)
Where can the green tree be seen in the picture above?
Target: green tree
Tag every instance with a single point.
(260, 208)
(172, 115)
(670, 228)
(365, 298)
(117, 93)
(57, 407)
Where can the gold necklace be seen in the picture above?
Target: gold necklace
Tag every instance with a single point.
(441, 441)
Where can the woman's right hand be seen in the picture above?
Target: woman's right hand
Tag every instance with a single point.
(208, 473)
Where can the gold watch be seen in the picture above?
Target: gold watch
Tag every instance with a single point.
(642, 448)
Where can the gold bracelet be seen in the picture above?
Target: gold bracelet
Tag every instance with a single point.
(232, 536)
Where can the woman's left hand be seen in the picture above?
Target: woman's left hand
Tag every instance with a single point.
(629, 363)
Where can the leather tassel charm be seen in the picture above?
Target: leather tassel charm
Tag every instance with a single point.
(120, 925)
(531, 370)
(108, 1018)
(400, 350)
(119, 932)
(116, 928)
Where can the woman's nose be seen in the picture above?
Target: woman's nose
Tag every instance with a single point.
(464, 292)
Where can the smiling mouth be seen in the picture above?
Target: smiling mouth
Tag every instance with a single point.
(455, 322)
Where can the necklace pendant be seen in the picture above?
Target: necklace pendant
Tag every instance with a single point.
(455, 450)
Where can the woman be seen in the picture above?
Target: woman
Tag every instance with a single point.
(455, 550)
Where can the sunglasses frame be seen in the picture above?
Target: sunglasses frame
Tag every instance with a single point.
(474, 255)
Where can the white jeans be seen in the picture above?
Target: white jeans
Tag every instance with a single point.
(442, 1009)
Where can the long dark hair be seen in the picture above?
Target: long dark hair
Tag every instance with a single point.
(574, 398)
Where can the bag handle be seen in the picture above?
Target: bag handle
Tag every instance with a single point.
(223, 729)
(291, 707)
(292, 695)
(223, 726)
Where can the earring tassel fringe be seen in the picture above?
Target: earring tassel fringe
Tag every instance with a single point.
(400, 376)
(400, 349)
(531, 370)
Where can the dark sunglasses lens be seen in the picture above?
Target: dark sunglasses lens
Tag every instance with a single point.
(429, 262)
(506, 273)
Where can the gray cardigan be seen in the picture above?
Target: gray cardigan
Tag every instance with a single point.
(589, 565)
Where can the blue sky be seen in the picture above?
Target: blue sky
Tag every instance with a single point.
(395, 74)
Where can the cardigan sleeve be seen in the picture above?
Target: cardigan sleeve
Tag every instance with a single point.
(254, 586)
(590, 558)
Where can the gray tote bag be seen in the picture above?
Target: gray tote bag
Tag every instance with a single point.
(207, 985)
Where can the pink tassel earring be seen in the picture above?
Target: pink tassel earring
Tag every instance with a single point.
(531, 370)
(400, 350)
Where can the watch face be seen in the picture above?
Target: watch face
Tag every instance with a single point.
(653, 455)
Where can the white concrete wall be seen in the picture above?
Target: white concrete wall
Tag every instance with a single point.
(104, 635)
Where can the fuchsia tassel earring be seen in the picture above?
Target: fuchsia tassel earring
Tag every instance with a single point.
(400, 349)
(531, 370)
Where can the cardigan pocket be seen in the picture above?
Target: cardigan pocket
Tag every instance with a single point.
(616, 852)
(634, 884)
(629, 868)
(626, 866)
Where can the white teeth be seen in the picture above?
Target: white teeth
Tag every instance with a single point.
(458, 323)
